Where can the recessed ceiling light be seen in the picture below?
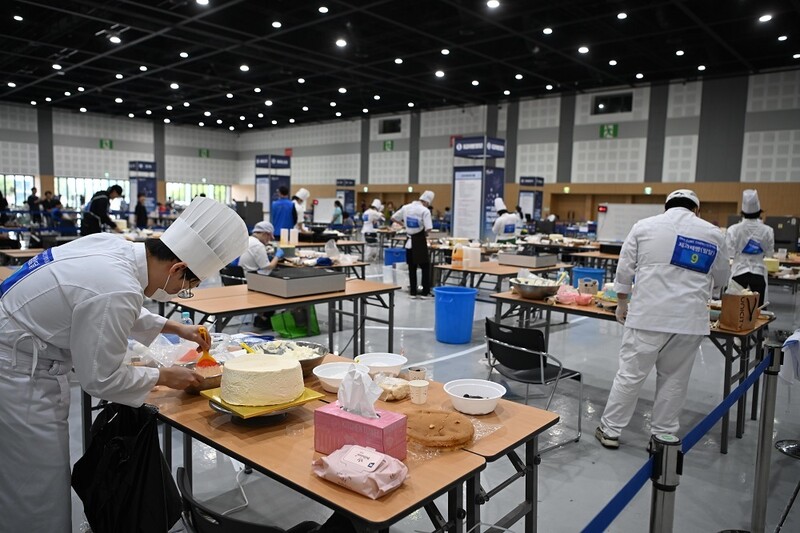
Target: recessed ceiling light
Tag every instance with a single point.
(274, 122)
(33, 102)
(276, 24)
(242, 117)
(548, 87)
(174, 86)
(268, 102)
(249, 125)
(207, 113)
(169, 108)
(229, 95)
(56, 66)
(82, 110)
(439, 74)
(143, 68)
(341, 43)
(445, 52)
(219, 121)
(518, 76)
(796, 56)
(507, 92)
(376, 97)
(114, 38)
(119, 76)
(411, 104)
(201, 124)
(601, 106)
(398, 61)
(184, 55)
(130, 115)
(81, 89)
(701, 67)
(48, 99)
(583, 50)
(765, 18)
(613, 62)
(547, 31)
(622, 16)
(148, 112)
(186, 104)
(301, 80)
(333, 104)
(118, 100)
(167, 121)
(338, 113)
(323, 9)
(365, 110)
(231, 128)
(782, 38)
(12, 84)
(342, 90)
(261, 115)
(475, 83)
(202, 2)
(257, 90)
(244, 68)
(639, 75)
(67, 93)
(305, 108)
(18, 18)
(493, 4)
(679, 52)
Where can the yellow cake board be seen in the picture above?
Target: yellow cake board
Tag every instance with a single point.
(249, 411)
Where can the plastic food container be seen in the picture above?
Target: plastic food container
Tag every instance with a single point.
(485, 395)
(386, 363)
(330, 375)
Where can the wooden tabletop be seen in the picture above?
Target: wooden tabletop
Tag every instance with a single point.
(6, 272)
(285, 451)
(496, 269)
(22, 254)
(321, 244)
(791, 259)
(597, 255)
(563, 246)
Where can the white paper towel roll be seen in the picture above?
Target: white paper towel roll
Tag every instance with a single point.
(294, 236)
(284, 236)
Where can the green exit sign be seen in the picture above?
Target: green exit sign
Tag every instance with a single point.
(388, 146)
(106, 144)
(204, 152)
(609, 131)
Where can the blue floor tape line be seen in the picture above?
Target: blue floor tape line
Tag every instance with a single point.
(620, 500)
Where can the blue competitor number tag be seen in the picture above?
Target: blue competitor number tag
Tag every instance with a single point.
(752, 248)
(510, 228)
(412, 222)
(694, 254)
(365, 218)
(25, 270)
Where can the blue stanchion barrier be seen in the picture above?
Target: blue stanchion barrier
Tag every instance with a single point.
(620, 500)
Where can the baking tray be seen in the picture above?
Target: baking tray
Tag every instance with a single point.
(250, 411)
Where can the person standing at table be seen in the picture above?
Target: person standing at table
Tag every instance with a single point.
(140, 211)
(299, 199)
(505, 226)
(34, 206)
(338, 210)
(75, 307)
(255, 257)
(95, 216)
(416, 218)
(282, 211)
(372, 219)
(749, 242)
(676, 258)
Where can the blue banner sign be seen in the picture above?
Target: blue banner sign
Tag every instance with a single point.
(345, 183)
(142, 166)
(273, 161)
(493, 186)
(531, 181)
(479, 147)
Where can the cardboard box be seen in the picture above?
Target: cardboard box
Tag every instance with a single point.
(527, 261)
(291, 282)
(334, 427)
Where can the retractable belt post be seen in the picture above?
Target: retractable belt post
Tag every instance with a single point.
(667, 470)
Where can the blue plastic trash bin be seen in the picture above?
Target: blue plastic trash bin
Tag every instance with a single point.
(579, 273)
(455, 307)
(394, 255)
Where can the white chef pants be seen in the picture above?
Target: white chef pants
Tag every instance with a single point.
(673, 356)
(34, 447)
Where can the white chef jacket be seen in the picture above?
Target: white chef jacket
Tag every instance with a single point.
(255, 257)
(416, 217)
(505, 226)
(668, 297)
(300, 209)
(371, 218)
(84, 306)
(748, 243)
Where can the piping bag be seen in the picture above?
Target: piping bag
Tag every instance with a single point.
(206, 359)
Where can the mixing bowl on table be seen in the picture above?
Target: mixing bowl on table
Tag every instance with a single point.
(474, 396)
(382, 363)
(330, 375)
(212, 377)
(310, 354)
(531, 291)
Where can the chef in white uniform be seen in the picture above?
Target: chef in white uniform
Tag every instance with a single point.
(255, 257)
(74, 307)
(505, 225)
(749, 242)
(676, 258)
(371, 219)
(300, 198)
(416, 218)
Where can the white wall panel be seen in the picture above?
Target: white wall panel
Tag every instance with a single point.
(458, 121)
(388, 167)
(684, 99)
(246, 171)
(608, 161)
(19, 118)
(771, 156)
(19, 158)
(680, 158)
(436, 166)
(538, 160)
(640, 111)
(275, 140)
(774, 92)
(194, 169)
(197, 137)
(325, 169)
(541, 113)
(102, 127)
(93, 162)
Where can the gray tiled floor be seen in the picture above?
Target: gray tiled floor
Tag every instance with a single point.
(575, 481)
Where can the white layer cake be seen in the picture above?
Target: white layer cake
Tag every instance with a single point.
(261, 380)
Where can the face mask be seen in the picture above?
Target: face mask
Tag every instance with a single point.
(163, 296)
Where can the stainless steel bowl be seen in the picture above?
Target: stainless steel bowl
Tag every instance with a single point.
(534, 292)
(306, 364)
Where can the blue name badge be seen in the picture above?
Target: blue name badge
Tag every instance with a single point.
(693, 254)
(25, 270)
(412, 222)
(752, 248)
(510, 228)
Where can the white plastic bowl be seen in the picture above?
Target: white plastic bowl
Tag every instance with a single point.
(331, 374)
(489, 391)
(382, 363)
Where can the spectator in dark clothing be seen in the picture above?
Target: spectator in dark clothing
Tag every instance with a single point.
(47, 204)
(96, 215)
(3, 209)
(141, 212)
(35, 206)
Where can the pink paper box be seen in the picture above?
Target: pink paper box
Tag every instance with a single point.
(334, 427)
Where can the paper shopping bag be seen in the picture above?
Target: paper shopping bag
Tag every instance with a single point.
(739, 313)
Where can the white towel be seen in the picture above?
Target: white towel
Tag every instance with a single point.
(791, 364)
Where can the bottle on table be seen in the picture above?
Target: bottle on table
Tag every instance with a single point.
(458, 257)
(186, 319)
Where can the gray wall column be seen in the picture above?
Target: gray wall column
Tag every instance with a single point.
(160, 150)
(44, 128)
(492, 117)
(566, 130)
(413, 148)
(656, 132)
(512, 128)
(364, 171)
(721, 136)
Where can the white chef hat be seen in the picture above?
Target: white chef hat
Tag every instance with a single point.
(499, 204)
(427, 196)
(207, 236)
(750, 203)
(303, 194)
(376, 203)
(264, 227)
(685, 193)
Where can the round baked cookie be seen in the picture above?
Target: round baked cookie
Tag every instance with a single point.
(440, 429)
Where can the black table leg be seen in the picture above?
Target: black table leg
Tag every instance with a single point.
(187, 456)
(726, 389)
(532, 483)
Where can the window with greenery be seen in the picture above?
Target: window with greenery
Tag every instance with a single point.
(16, 188)
(183, 193)
(75, 192)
